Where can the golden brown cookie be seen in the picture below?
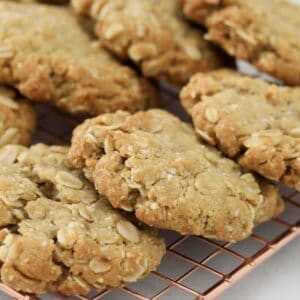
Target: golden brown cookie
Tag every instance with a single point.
(153, 34)
(58, 235)
(42, 1)
(53, 60)
(265, 33)
(153, 164)
(255, 122)
(17, 118)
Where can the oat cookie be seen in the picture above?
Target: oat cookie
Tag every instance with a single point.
(42, 1)
(153, 164)
(153, 34)
(53, 60)
(58, 235)
(17, 118)
(265, 33)
(250, 120)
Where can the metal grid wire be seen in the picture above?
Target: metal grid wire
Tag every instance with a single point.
(194, 267)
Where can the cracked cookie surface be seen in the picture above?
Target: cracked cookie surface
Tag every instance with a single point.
(17, 118)
(153, 164)
(262, 32)
(153, 34)
(253, 121)
(53, 60)
(58, 235)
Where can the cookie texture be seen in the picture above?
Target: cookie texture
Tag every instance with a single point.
(250, 120)
(58, 235)
(17, 118)
(262, 32)
(53, 60)
(153, 164)
(42, 1)
(153, 34)
(272, 204)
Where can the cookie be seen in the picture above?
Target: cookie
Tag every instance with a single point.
(153, 164)
(250, 120)
(58, 235)
(152, 34)
(261, 32)
(53, 60)
(17, 119)
(43, 1)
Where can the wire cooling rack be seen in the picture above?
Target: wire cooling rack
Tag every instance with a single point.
(194, 267)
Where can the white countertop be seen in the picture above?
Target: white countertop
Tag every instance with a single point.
(276, 279)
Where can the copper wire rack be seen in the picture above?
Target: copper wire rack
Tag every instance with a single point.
(193, 267)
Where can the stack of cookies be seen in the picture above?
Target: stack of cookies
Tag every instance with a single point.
(85, 216)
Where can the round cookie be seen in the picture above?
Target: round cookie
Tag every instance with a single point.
(54, 60)
(17, 119)
(43, 1)
(153, 34)
(57, 234)
(250, 120)
(153, 164)
(265, 33)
